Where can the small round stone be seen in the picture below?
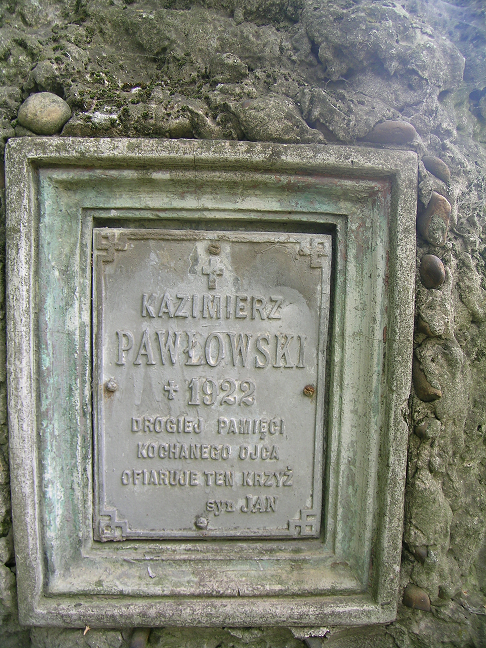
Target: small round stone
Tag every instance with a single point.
(392, 132)
(438, 168)
(433, 223)
(421, 429)
(432, 271)
(416, 598)
(424, 390)
(44, 113)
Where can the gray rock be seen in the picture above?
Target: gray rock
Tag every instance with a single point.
(424, 390)
(6, 548)
(274, 118)
(44, 78)
(416, 598)
(7, 590)
(10, 99)
(44, 113)
(4, 472)
(437, 167)
(433, 223)
(432, 271)
(429, 510)
(392, 132)
(228, 68)
(347, 115)
(62, 638)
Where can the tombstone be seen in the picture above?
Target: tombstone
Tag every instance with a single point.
(209, 349)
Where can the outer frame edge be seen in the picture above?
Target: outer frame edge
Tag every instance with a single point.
(23, 155)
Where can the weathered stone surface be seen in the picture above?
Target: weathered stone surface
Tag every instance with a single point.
(420, 553)
(429, 510)
(354, 39)
(424, 390)
(436, 308)
(274, 119)
(228, 68)
(470, 284)
(44, 78)
(432, 271)
(4, 471)
(391, 132)
(433, 223)
(414, 597)
(436, 166)
(44, 113)
(428, 428)
(10, 100)
(345, 116)
(224, 637)
(355, 638)
(7, 591)
(60, 638)
(372, 61)
(6, 548)
(5, 508)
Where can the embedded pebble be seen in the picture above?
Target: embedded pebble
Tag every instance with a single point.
(438, 168)
(416, 598)
(424, 327)
(432, 271)
(433, 223)
(44, 113)
(421, 429)
(423, 388)
(420, 554)
(428, 428)
(392, 132)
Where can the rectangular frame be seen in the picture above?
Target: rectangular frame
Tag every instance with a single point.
(314, 256)
(57, 189)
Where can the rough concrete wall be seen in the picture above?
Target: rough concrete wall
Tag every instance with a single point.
(303, 71)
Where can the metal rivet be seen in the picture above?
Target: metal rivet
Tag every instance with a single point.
(214, 248)
(111, 385)
(201, 522)
(309, 390)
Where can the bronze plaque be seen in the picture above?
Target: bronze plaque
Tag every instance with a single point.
(209, 381)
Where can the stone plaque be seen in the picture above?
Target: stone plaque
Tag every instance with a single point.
(209, 365)
(197, 437)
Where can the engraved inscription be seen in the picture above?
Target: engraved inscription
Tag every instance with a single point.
(210, 348)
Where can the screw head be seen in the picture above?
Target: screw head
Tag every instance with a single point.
(111, 385)
(309, 391)
(201, 522)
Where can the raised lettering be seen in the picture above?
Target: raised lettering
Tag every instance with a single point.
(145, 349)
(147, 305)
(274, 312)
(170, 345)
(180, 310)
(211, 306)
(282, 350)
(240, 345)
(125, 343)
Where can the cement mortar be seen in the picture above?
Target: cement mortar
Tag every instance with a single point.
(301, 71)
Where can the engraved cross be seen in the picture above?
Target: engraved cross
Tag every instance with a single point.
(171, 387)
(316, 251)
(213, 269)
